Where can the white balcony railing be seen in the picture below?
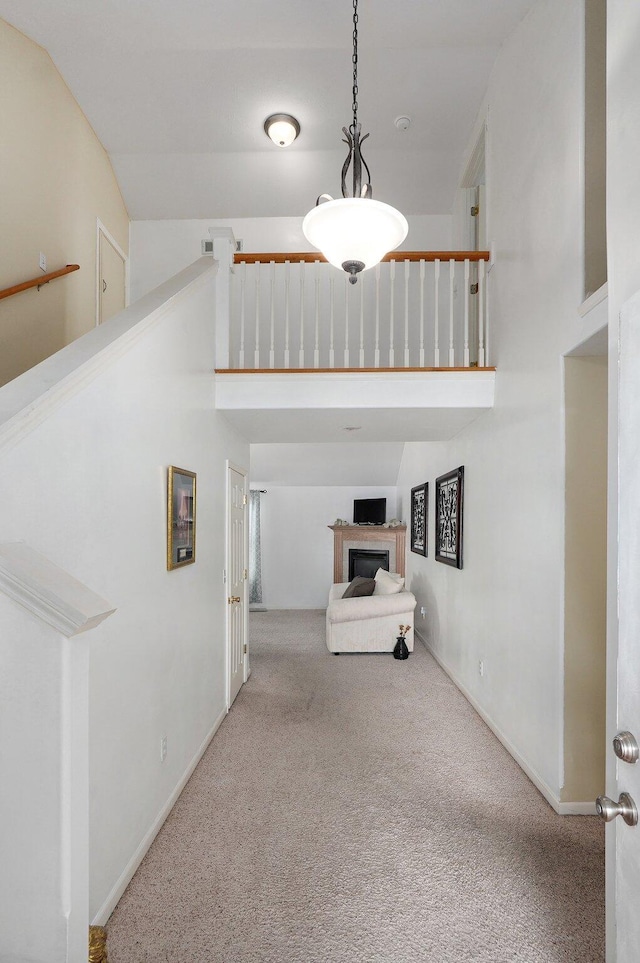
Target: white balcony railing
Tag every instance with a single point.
(415, 310)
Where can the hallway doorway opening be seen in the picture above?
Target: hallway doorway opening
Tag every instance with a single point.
(585, 589)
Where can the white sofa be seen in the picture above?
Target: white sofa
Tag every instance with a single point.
(368, 624)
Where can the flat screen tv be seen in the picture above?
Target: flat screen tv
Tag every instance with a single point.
(369, 511)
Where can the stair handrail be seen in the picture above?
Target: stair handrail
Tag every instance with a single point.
(39, 281)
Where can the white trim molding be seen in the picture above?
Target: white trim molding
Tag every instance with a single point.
(127, 874)
(49, 592)
(562, 808)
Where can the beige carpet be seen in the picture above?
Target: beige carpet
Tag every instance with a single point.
(355, 809)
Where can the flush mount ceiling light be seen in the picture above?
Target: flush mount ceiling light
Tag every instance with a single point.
(282, 129)
(354, 232)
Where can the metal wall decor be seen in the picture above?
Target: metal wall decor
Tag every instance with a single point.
(449, 493)
(419, 516)
(181, 517)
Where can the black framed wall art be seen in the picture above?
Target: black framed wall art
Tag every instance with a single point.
(419, 517)
(449, 495)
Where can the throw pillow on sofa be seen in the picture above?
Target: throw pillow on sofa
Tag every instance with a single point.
(359, 587)
(387, 584)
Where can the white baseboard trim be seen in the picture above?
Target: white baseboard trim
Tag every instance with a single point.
(562, 808)
(125, 878)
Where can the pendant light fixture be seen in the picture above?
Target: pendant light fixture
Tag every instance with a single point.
(354, 232)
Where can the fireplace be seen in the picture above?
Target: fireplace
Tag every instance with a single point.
(372, 538)
(366, 562)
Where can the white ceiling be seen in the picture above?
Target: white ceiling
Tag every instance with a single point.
(178, 92)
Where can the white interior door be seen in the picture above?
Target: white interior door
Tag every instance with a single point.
(626, 716)
(111, 277)
(236, 579)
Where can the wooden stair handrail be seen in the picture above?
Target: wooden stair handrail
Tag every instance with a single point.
(36, 282)
(311, 257)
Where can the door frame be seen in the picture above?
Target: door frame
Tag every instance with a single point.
(227, 548)
(103, 231)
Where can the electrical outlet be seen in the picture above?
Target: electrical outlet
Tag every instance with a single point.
(481, 667)
(43, 262)
(423, 611)
(163, 748)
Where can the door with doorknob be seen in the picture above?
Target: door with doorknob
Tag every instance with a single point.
(111, 279)
(619, 807)
(236, 580)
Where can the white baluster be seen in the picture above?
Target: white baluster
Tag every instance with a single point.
(361, 282)
(422, 267)
(287, 283)
(301, 346)
(272, 340)
(392, 281)
(452, 266)
(332, 294)
(466, 313)
(243, 283)
(316, 350)
(346, 321)
(436, 313)
(256, 346)
(481, 353)
(407, 265)
(376, 353)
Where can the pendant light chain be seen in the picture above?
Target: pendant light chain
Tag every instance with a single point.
(354, 59)
(354, 232)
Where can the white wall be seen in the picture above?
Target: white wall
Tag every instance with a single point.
(161, 248)
(56, 181)
(87, 489)
(297, 545)
(506, 606)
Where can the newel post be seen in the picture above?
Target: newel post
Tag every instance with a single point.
(224, 246)
(44, 750)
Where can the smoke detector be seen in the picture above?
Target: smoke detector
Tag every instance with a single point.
(403, 122)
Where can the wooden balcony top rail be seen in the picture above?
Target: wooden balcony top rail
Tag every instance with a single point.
(36, 282)
(310, 257)
(297, 371)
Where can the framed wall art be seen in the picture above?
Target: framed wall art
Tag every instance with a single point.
(449, 492)
(181, 517)
(419, 515)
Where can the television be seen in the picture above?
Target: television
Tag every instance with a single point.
(369, 511)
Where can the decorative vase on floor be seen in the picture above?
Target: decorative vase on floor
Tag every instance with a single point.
(401, 651)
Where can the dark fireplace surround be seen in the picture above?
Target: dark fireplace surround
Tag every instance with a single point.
(366, 562)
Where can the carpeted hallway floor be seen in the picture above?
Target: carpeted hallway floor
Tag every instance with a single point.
(355, 809)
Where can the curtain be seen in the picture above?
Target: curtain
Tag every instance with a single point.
(255, 551)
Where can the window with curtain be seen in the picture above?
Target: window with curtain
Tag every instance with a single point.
(255, 552)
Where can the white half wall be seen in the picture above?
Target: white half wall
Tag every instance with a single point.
(297, 545)
(161, 248)
(86, 486)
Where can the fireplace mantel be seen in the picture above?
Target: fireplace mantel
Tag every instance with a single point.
(363, 536)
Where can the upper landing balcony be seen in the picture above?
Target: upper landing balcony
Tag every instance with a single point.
(303, 354)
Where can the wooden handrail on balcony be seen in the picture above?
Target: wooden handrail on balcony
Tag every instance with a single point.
(311, 257)
(37, 282)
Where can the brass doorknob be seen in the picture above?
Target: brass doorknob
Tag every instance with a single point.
(234, 598)
(607, 809)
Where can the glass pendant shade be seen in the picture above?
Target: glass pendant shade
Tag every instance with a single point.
(355, 229)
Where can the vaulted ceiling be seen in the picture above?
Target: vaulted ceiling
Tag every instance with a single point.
(178, 93)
